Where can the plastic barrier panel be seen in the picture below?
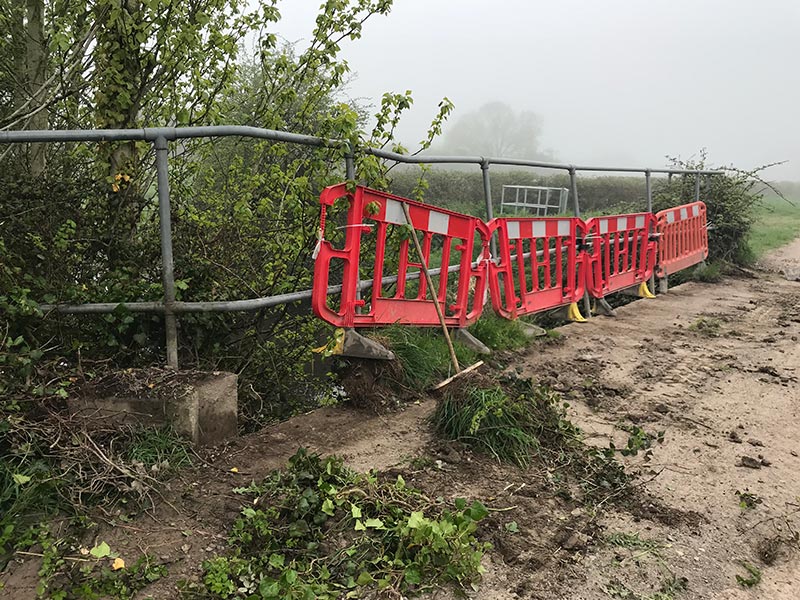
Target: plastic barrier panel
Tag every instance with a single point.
(621, 252)
(683, 237)
(540, 265)
(377, 239)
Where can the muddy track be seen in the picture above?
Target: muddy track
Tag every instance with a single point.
(713, 366)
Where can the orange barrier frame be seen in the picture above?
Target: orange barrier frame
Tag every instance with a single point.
(682, 239)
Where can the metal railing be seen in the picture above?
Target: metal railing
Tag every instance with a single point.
(534, 204)
(160, 137)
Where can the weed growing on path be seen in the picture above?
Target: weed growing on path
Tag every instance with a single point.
(519, 421)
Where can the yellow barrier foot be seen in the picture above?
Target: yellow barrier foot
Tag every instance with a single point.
(644, 291)
(574, 313)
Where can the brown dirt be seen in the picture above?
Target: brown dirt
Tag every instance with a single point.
(713, 366)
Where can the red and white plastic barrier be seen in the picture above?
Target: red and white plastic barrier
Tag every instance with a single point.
(540, 266)
(682, 239)
(621, 252)
(543, 263)
(374, 216)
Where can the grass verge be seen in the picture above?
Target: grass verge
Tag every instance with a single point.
(777, 223)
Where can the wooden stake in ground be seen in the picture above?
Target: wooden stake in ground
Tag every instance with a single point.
(424, 267)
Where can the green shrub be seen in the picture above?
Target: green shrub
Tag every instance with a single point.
(731, 201)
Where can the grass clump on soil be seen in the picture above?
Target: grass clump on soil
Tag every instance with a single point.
(423, 354)
(752, 579)
(706, 326)
(709, 272)
(491, 421)
(498, 333)
(319, 530)
(518, 422)
(670, 589)
(632, 541)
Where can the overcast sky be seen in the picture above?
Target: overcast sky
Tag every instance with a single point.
(617, 82)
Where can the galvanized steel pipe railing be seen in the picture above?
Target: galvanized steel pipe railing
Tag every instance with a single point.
(160, 138)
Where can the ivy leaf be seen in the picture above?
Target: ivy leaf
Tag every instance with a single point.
(477, 511)
(355, 511)
(360, 526)
(416, 520)
(374, 524)
(102, 550)
(364, 578)
(269, 588)
(276, 561)
(20, 479)
(413, 576)
(327, 507)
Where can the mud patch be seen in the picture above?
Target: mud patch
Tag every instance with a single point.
(583, 380)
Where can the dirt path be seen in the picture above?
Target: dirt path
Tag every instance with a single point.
(715, 367)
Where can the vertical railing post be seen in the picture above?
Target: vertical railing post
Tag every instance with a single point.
(576, 208)
(350, 163)
(648, 186)
(167, 265)
(487, 195)
(697, 187)
(573, 186)
(350, 175)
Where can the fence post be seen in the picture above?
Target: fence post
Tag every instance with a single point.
(576, 207)
(649, 191)
(349, 162)
(573, 186)
(697, 187)
(167, 265)
(487, 194)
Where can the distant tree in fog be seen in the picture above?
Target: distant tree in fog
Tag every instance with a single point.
(495, 129)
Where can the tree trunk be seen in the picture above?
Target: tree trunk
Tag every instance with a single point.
(36, 71)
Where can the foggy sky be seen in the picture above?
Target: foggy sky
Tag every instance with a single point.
(617, 82)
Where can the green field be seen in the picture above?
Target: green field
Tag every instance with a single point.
(777, 224)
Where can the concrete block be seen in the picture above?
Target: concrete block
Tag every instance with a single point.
(470, 341)
(357, 346)
(217, 404)
(532, 330)
(202, 406)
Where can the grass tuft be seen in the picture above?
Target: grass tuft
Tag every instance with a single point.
(159, 447)
(517, 421)
(490, 420)
(498, 333)
(709, 273)
(424, 355)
